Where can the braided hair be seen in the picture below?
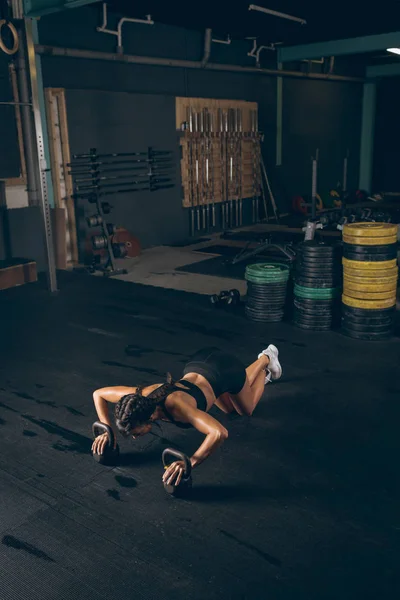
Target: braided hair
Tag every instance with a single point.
(136, 409)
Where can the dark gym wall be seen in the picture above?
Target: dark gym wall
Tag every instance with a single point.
(9, 149)
(120, 122)
(386, 176)
(324, 116)
(315, 114)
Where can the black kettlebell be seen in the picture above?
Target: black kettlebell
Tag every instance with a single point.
(110, 453)
(186, 482)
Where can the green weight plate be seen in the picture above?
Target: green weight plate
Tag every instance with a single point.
(316, 293)
(267, 271)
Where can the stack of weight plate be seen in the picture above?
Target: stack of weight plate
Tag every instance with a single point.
(317, 285)
(266, 291)
(370, 276)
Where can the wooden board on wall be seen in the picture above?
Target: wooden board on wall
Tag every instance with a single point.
(227, 182)
(56, 113)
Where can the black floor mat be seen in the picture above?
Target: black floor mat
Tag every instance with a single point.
(220, 267)
(190, 242)
(230, 251)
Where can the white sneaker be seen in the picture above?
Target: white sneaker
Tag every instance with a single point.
(274, 367)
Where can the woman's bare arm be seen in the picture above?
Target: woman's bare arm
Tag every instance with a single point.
(101, 397)
(215, 433)
(109, 394)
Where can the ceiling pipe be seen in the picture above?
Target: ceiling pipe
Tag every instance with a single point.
(185, 64)
(275, 13)
(227, 42)
(207, 47)
(118, 33)
(256, 50)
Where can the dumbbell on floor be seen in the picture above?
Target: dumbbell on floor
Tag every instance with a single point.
(226, 298)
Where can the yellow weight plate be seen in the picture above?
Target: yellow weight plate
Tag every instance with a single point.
(364, 265)
(370, 287)
(369, 241)
(370, 280)
(372, 273)
(370, 229)
(369, 295)
(368, 304)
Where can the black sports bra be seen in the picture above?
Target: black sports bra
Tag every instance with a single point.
(194, 391)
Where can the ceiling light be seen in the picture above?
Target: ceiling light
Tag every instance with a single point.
(394, 50)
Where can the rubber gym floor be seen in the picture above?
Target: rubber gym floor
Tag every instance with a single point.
(301, 502)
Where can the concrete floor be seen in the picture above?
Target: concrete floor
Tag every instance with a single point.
(157, 267)
(300, 503)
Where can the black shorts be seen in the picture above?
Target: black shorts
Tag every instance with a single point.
(223, 371)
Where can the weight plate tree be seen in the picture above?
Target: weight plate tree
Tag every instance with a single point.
(266, 291)
(317, 285)
(370, 276)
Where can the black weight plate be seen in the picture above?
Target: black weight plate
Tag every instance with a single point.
(300, 267)
(323, 275)
(265, 302)
(313, 311)
(368, 320)
(265, 319)
(264, 315)
(321, 260)
(370, 257)
(367, 312)
(315, 245)
(313, 322)
(266, 305)
(317, 282)
(322, 270)
(306, 283)
(267, 291)
(303, 316)
(263, 310)
(317, 274)
(275, 320)
(312, 302)
(315, 261)
(262, 286)
(371, 328)
(359, 335)
(313, 328)
(388, 248)
(266, 297)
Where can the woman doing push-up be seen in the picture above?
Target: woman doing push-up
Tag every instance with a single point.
(210, 377)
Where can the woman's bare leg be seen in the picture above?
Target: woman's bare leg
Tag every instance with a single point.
(256, 368)
(247, 399)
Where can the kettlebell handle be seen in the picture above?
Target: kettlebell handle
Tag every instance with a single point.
(98, 428)
(180, 456)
